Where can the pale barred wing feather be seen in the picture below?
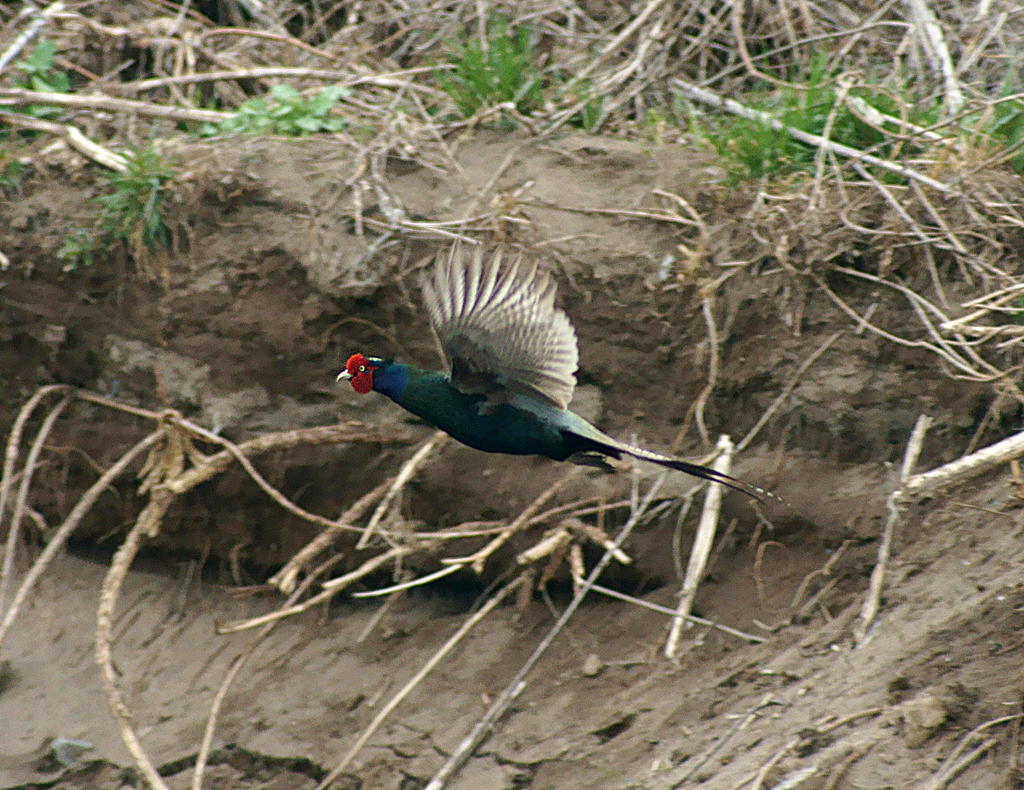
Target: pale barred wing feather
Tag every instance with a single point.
(500, 329)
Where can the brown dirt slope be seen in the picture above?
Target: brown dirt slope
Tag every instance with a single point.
(242, 329)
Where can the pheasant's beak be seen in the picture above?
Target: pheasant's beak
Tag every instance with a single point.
(344, 376)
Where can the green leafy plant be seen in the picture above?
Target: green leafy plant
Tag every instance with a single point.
(1003, 124)
(39, 72)
(501, 69)
(592, 110)
(10, 173)
(285, 112)
(758, 150)
(40, 75)
(131, 210)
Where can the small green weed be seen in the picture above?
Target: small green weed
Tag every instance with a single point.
(40, 75)
(285, 112)
(592, 111)
(1004, 124)
(757, 150)
(502, 69)
(130, 211)
(10, 174)
(1016, 315)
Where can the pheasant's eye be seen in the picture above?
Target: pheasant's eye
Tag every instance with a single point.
(362, 368)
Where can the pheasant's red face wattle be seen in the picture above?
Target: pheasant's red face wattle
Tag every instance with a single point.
(359, 370)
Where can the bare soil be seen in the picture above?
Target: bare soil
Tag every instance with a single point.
(242, 329)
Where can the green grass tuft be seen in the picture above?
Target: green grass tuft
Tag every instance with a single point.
(40, 75)
(502, 69)
(131, 211)
(756, 150)
(285, 112)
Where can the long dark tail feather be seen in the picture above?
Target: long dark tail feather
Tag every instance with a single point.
(703, 472)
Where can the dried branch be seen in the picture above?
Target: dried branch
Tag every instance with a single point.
(74, 136)
(702, 544)
(60, 537)
(873, 599)
(20, 97)
(730, 105)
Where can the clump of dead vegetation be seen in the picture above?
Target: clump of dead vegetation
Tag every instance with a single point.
(878, 145)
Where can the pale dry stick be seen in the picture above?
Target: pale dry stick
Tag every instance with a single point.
(13, 445)
(837, 771)
(700, 402)
(940, 220)
(987, 304)
(736, 20)
(417, 582)
(985, 370)
(952, 771)
(741, 724)
(212, 465)
(653, 214)
(435, 442)
(92, 102)
(872, 601)
(237, 663)
(417, 678)
(787, 390)
(725, 629)
(928, 242)
(805, 611)
(951, 765)
(695, 218)
(614, 46)
(40, 18)
(330, 589)
(552, 544)
(518, 683)
(926, 24)
(872, 116)
(184, 482)
(344, 79)
(961, 469)
(74, 137)
(821, 155)
(286, 578)
(702, 543)
(730, 105)
(147, 524)
(521, 522)
(110, 403)
(897, 206)
(280, 36)
(824, 570)
(981, 43)
(762, 547)
(60, 536)
(762, 773)
(31, 460)
(863, 322)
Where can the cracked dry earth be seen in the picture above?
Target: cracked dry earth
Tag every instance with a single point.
(243, 334)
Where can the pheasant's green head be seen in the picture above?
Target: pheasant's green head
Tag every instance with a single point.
(359, 370)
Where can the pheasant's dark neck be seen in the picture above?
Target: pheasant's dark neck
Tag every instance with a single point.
(392, 378)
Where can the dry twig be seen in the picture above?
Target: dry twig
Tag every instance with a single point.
(702, 544)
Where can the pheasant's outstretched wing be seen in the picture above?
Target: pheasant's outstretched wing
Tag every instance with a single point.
(500, 329)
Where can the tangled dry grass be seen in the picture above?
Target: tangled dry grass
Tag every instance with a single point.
(937, 203)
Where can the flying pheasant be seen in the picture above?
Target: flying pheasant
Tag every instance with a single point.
(513, 363)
